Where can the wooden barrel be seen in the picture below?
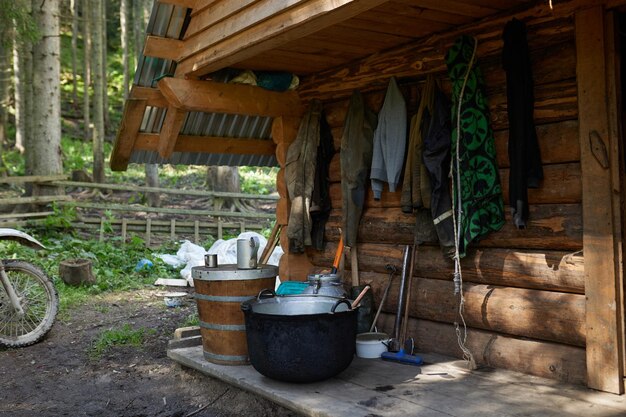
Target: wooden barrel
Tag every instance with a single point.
(219, 294)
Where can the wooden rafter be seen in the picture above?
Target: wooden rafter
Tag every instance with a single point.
(172, 124)
(286, 24)
(164, 48)
(191, 4)
(212, 97)
(209, 144)
(152, 96)
(131, 122)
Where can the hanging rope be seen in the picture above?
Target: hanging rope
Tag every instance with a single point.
(457, 214)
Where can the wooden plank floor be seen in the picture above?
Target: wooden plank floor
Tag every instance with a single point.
(441, 387)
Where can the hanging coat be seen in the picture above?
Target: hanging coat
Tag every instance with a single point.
(356, 160)
(389, 141)
(416, 186)
(436, 156)
(477, 193)
(299, 176)
(524, 157)
(320, 198)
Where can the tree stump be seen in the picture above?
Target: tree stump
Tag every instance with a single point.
(76, 272)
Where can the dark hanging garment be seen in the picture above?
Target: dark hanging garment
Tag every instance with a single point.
(477, 192)
(320, 199)
(436, 155)
(524, 157)
(356, 160)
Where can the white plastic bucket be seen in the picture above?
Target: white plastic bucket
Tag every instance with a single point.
(371, 345)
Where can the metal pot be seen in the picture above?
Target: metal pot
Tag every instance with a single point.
(325, 284)
(299, 338)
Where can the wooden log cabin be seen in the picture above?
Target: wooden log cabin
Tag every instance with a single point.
(547, 300)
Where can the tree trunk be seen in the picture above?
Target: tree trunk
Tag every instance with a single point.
(138, 27)
(74, 10)
(86, 68)
(223, 178)
(5, 69)
(98, 91)
(125, 40)
(105, 96)
(45, 143)
(152, 180)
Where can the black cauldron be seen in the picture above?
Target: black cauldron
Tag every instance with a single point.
(299, 338)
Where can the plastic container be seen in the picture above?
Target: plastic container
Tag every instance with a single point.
(174, 299)
(371, 345)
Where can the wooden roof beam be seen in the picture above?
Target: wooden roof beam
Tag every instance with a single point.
(209, 144)
(153, 96)
(134, 110)
(190, 4)
(172, 124)
(249, 35)
(212, 97)
(165, 48)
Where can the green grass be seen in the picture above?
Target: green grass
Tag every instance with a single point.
(121, 336)
(191, 320)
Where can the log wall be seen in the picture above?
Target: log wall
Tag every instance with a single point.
(524, 289)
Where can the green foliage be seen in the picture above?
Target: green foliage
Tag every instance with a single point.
(121, 336)
(15, 16)
(191, 320)
(257, 180)
(113, 264)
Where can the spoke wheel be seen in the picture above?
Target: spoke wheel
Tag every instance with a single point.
(39, 301)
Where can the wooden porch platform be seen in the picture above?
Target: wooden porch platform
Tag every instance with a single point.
(443, 387)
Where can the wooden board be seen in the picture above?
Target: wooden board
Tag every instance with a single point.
(125, 142)
(604, 330)
(209, 144)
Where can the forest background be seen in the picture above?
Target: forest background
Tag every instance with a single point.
(65, 71)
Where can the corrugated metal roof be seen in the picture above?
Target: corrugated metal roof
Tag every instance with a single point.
(170, 21)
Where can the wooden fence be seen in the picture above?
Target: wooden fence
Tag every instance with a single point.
(133, 219)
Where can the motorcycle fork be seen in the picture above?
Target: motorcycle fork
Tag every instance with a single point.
(15, 302)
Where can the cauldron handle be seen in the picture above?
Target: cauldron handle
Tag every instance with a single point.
(266, 293)
(342, 301)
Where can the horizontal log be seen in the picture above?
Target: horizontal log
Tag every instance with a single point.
(561, 184)
(558, 143)
(153, 96)
(542, 270)
(544, 359)
(544, 315)
(551, 226)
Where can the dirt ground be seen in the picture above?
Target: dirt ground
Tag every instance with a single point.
(61, 377)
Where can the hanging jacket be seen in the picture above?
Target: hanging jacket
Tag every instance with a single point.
(524, 157)
(299, 176)
(436, 156)
(320, 198)
(389, 141)
(478, 205)
(416, 185)
(356, 160)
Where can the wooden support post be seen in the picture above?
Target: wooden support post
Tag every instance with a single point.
(148, 231)
(196, 232)
(173, 229)
(172, 124)
(220, 225)
(131, 123)
(602, 265)
(242, 227)
(124, 229)
(292, 266)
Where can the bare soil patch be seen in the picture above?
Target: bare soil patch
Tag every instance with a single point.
(61, 377)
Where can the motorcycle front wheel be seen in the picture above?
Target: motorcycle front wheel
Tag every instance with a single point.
(39, 300)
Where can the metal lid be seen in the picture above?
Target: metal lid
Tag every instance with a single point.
(231, 272)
